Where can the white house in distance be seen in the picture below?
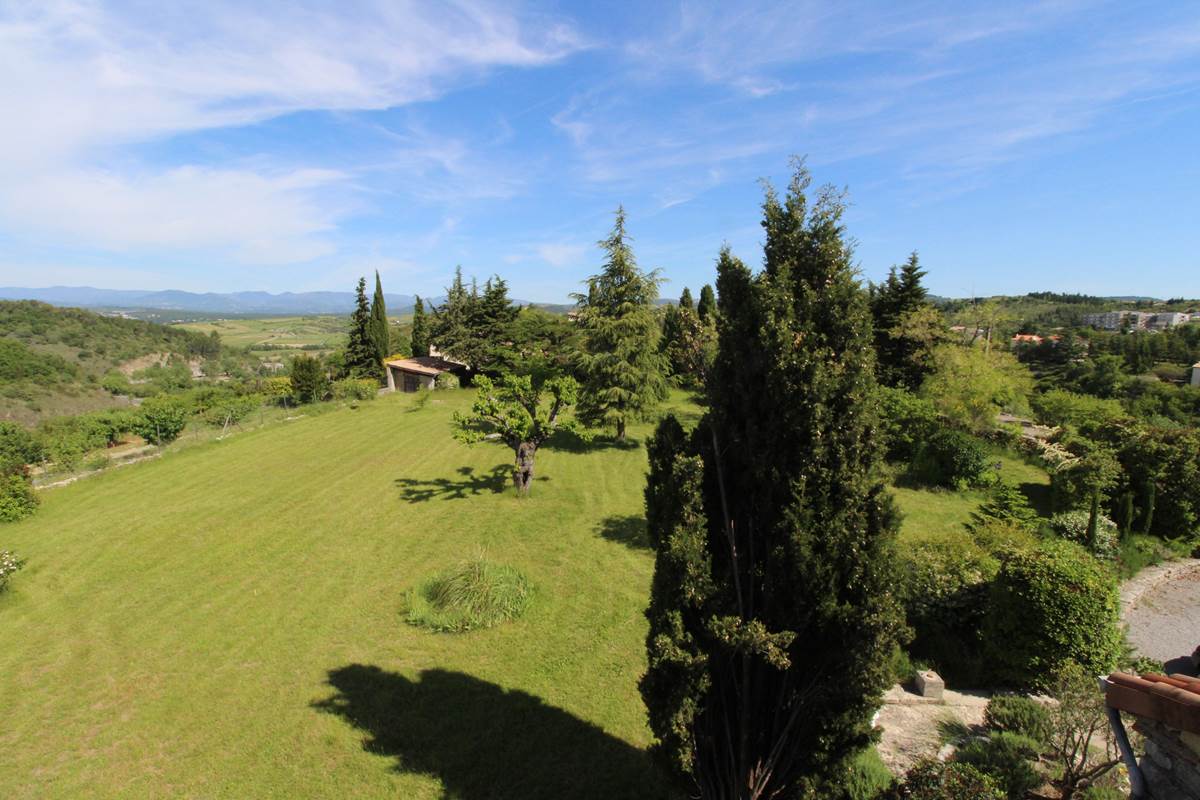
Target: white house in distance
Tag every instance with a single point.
(414, 374)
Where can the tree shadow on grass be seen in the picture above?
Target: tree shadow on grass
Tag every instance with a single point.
(572, 442)
(469, 484)
(629, 530)
(482, 741)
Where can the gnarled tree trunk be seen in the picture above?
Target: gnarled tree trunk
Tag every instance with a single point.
(523, 471)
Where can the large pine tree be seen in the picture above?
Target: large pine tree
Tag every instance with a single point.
(360, 357)
(381, 334)
(772, 606)
(420, 329)
(623, 371)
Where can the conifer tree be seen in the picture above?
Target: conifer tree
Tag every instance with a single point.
(420, 329)
(360, 360)
(623, 371)
(772, 605)
(708, 304)
(381, 334)
(902, 351)
(685, 299)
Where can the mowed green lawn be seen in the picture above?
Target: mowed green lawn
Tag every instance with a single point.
(227, 621)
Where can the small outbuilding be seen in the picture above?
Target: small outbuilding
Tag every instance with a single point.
(412, 374)
(1196, 375)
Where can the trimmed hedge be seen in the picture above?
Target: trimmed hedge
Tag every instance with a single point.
(1048, 606)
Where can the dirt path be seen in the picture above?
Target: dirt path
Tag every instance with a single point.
(1161, 606)
(911, 724)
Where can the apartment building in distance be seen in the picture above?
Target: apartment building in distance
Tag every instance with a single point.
(1136, 320)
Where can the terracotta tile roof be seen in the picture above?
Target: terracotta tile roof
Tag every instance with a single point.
(423, 365)
(1173, 701)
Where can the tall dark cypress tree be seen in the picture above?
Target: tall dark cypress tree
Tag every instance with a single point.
(685, 299)
(708, 304)
(772, 606)
(360, 349)
(420, 329)
(381, 334)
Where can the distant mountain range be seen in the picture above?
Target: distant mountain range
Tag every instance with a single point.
(285, 304)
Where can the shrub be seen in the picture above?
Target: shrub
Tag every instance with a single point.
(1084, 411)
(1006, 504)
(1006, 758)
(310, 384)
(945, 592)
(161, 419)
(1049, 606)
(355, 389)
(18, 447)
(939, 780)
(97, 462)
(17, 498)
(905, 421)
(475, 594)
(1017, 714)
(446, 380)
(231, 409)
(1073, 526)
(949, 457)
(868, 777)
(9, 563)
(116, 382)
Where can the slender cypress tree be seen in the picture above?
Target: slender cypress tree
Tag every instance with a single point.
(772, 606)
(420, 329)
(708, 304)
(360, 350)
(623, 371)
(381, 334)
(685, 299)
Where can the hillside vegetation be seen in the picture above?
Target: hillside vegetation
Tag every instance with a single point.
(53, 360)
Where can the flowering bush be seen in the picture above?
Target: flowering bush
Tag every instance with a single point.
(9, 563)
(1073, 526)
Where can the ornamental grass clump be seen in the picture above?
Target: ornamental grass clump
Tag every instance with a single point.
(474, 594)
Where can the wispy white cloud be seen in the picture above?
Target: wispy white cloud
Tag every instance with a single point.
(561, 254)
(82, 81)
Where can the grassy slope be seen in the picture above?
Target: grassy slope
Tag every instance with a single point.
(939, 514)
(179, 619)
(185, 625)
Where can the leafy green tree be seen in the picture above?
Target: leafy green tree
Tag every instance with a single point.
(310, 384)
(970, 386)
(707, 307)
(514, 410)
(17, 501)
(420, 329)
(772, 607)
(623, 372)
(161, 419)
(380, 331)
(18, 448)
(361, 354)
(544, 345)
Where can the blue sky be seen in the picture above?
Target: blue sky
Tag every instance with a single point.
(292, 146)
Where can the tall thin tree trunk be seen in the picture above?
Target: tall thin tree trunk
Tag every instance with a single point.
(621, 429)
